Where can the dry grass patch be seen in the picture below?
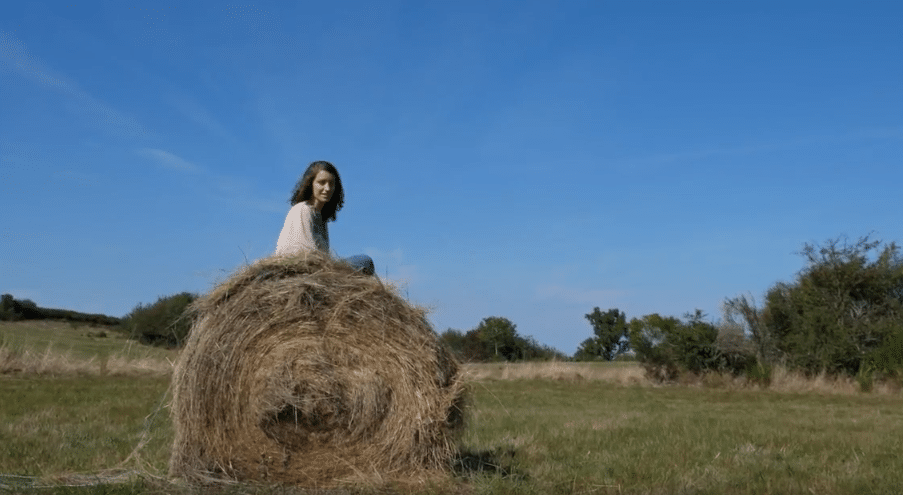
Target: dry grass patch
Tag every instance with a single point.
(618, 373)
(632, 374)
(53, 362)
(60, 349)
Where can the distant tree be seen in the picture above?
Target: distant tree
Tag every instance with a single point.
(500, 339)
(496, 339)
(16, 309)
(612, 336)
(28, 303)
(26, 309)
(7, 305)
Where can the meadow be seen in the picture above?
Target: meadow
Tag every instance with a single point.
(71, 424)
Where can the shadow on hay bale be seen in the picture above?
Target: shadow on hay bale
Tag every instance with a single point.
(301, 370)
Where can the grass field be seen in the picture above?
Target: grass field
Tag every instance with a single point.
(532, 428)
(55, 348)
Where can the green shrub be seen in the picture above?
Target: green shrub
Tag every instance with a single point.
(759, 373)
(626, 358)
(887, 359)
(162, 323)
(843, 312)
(667, 347)
(651, 337)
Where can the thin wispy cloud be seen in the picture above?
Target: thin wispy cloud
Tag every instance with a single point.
(233, 190)
(169, 160)
(200, 116)
(530, 164)
(15, 58)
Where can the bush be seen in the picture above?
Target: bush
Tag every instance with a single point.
(759, 373)
(843, 312)
(887, 359)
(736, 351)
(651, 338)
(742, 314)
(162, 323)
(667, 346)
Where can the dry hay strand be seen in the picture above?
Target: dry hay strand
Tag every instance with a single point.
(301, 370)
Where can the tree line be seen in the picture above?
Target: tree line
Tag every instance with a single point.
(162, 323)
(496, 339)
(12, 309)
(842, 314)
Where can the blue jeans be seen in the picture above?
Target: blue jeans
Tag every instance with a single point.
(361, 263)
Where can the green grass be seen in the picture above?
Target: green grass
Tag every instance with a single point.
(81, 341)
(53, 426)
(555, 428)
(594, 437)
(525, 436)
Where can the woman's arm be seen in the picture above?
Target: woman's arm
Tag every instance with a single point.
(297, 232)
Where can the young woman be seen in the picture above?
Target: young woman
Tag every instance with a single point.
(316, 198)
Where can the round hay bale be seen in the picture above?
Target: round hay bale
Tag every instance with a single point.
(301, 370)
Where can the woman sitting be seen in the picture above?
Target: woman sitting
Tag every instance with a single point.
(316, 198)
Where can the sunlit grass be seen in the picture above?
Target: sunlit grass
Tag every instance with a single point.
(591, 428)
(52, 426)
(531, 436)
(622, 373)
(583, 436)
(57, 348)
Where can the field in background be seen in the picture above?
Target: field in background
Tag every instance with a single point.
(631, 374)
(58, 348)
(532, 428)
(622, 373)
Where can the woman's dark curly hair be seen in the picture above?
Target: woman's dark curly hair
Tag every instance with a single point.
(304, 189)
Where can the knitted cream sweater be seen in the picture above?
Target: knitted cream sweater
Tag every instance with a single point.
(304, 228)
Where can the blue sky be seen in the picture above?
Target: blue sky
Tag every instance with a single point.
(530, 160)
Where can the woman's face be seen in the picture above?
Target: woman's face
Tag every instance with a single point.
(323, 187)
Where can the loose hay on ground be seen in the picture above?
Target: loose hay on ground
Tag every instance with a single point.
(301, 370)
